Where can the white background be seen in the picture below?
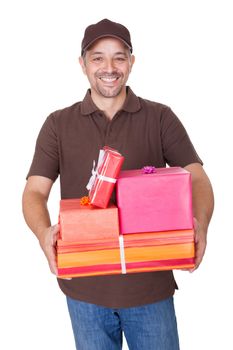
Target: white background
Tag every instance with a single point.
(183, 59)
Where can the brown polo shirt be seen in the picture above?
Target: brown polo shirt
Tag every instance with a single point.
(146, 133)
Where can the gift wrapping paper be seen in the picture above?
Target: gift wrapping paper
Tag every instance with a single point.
(132, 253)
(157, 217)
(103, 180)
(160, 201)
(84, 223)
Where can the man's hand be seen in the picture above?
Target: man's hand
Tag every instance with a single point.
(48, 244)
(200, 243)
(203, 205)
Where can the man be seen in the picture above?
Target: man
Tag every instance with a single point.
(146, 133)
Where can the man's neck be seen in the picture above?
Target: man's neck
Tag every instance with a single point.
(109, 105)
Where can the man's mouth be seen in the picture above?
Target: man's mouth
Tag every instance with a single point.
(108, 79)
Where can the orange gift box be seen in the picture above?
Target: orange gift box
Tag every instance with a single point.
(154, 251)
(103, 179)
(85, 223)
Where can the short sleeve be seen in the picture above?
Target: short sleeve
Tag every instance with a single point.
(178, 149)
(46, 157)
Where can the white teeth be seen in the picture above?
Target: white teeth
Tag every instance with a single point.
(108, 80)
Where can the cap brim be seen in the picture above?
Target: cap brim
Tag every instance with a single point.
(106, 36)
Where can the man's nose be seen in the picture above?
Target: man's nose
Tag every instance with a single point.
(109, 65)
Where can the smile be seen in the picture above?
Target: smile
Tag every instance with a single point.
(108, 80)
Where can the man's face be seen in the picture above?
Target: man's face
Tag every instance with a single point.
(107, 65)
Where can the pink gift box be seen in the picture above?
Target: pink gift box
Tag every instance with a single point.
(160, 201)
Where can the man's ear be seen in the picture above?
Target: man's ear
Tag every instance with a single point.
(132, 58)
(82, 64)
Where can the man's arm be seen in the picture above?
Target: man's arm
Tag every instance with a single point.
(203, 205)
(37, 217)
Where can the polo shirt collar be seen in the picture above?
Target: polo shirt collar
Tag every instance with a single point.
(132, 103)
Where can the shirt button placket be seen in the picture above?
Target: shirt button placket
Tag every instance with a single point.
(103, 124)
(108, 134)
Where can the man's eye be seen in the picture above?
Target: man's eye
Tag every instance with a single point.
(97, 59)
(120, 59)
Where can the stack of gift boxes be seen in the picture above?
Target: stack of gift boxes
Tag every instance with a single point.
(150, 228)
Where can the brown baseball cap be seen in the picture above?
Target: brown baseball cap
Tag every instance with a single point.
(103, 29)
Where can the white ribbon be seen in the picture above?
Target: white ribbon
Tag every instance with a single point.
(106, 178)
(92, 178)
(94, 172)
(122, 254)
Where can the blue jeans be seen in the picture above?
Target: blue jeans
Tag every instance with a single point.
(148, 327)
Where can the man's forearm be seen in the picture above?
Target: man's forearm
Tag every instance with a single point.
(203, 205)
(203, 198)
(35, 212)
(203, 201)
(37, 218)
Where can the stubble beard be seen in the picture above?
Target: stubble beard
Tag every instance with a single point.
(109, 92)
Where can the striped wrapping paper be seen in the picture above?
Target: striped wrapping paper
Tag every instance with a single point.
(132, 253)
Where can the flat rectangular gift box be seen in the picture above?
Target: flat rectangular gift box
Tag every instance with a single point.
(160, 201)
(132, 253)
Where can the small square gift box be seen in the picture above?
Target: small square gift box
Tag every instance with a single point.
(81, 222)
(103, 179)
(156, 200)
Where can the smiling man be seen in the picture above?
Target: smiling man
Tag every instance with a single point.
(107, 64)
(145, 132)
